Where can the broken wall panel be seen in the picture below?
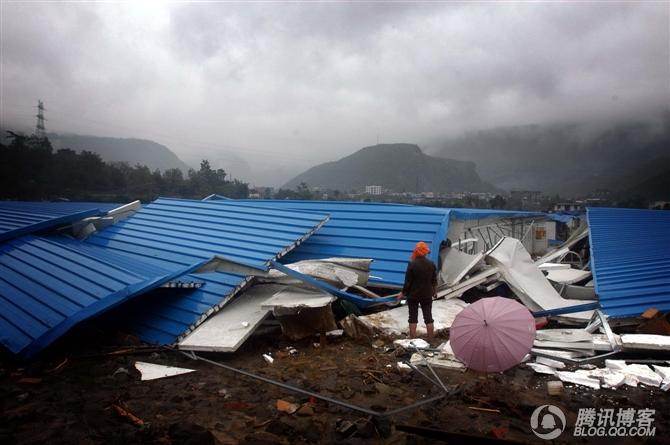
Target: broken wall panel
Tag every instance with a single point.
(176, 231)
(227, 330)
(455, 265)
(528, 283)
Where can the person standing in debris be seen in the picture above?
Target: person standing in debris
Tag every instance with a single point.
(419, 288)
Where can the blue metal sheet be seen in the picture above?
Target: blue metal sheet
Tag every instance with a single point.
(47, 285)
(469, 214)
(387, 233)
(564, 217)
(181, 231)
(18, 218)
(175, 231)
(630, 259)
(164, 316)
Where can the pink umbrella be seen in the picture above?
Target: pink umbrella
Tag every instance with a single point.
(492, 334)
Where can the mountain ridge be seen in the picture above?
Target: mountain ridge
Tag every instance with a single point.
(130, 150)
(400, 167)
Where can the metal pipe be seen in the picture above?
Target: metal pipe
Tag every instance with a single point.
(411, 365)
(431, 370)
(341, 403)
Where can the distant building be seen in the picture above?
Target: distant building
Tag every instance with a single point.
(373, 189)
(567, 207)
(526, 195)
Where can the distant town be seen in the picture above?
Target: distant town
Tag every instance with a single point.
(534, 200)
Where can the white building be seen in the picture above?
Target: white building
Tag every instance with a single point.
(373, 189)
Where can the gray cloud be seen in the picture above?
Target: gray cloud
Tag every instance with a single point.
(286, 85)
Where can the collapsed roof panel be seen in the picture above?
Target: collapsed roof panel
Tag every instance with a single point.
(386, 233)
(178, 231)
(18, 218)
(47, 285)
(630, 259)
(164, 316)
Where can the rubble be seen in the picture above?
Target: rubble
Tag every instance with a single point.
(579, 348)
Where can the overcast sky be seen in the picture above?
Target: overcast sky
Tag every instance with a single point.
(289, 85)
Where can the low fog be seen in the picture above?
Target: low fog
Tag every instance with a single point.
(266, 90)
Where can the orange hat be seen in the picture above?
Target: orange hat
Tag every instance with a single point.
(421, 249)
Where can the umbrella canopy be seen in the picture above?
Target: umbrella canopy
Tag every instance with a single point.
(492, 334)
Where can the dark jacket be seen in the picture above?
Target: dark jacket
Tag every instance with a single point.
(420, 279)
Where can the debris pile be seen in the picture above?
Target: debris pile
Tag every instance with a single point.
(208, 276)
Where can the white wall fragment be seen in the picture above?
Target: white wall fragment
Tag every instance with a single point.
(663, 371)
(578, 379)
(411, 343)
(644, 374)
(617, 365)
(645, 342)
(550, 362)
(152, 371)
(541, 369)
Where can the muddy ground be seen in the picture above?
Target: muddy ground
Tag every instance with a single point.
(60, 401)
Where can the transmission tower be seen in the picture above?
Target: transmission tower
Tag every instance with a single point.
(40, 130)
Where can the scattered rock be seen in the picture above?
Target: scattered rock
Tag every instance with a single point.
(306, 410)
(286, 407)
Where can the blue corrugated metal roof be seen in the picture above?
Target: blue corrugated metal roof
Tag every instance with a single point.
(47, 285)
(470, 214)
(19, 218)
(181, 231)
(386, 233)
(176, 231)
(163, 316)
(630, 259)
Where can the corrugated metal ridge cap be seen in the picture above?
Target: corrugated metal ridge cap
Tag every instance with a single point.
(115, 234)
(289, 203)
(462, 213)
(151, 212)
(236, 204)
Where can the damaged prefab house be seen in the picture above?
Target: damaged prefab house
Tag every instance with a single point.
(205, 275)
